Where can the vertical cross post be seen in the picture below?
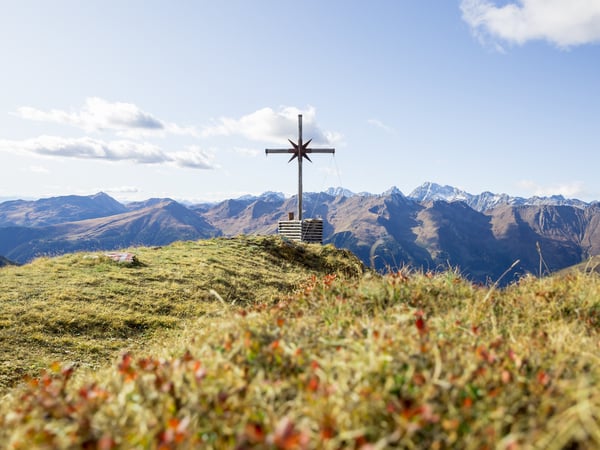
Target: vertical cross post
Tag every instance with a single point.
(299, 150)
(299, 167)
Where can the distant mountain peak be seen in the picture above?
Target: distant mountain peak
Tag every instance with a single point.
(268, 196)
(430, 191)
(339, 192)
(101, 194)
(272, 196)
(393, 191)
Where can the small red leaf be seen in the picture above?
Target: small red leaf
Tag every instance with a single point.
(543, 378)
(255, 433)
(420, 324)
(313, 384)
(106, 443)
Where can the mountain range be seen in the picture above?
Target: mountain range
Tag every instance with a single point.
(434, 227)
(486, 200)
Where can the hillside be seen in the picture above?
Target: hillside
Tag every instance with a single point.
(5, 261)
(51, 211)
(159, 224)
(294, 349)
(84, 307)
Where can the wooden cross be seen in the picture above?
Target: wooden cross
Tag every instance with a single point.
(300, 150)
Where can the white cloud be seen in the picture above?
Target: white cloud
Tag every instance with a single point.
(564, 23)
(569, 190)
(378, 124)
(277, 127)
(122, 150)
(193, 158)
(99, 115)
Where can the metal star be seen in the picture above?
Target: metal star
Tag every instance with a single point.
(300, 149)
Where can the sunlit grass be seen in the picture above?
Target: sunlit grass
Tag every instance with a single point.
(84, 308)
(409, 360)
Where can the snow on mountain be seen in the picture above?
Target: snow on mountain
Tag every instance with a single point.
(557, 200)
(268, 196)
(339, 192)
(393, 191)
(486, 200)
(429, 192)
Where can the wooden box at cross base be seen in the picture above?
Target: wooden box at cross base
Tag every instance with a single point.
(307, 230)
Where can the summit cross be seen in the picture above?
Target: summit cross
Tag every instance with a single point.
(299, 150)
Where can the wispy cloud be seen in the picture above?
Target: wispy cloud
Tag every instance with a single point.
(564, 23)
(121, 150)
(378, 124)
(193, 158)
(268, 125)
(570, 189)
(98, 115)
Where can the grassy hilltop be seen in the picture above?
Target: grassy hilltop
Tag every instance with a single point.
(258, 343)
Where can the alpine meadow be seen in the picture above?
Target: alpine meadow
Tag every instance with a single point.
(259, 342)
(315, 225)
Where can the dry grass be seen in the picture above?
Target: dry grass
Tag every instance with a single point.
(409, 360)
(84, 308)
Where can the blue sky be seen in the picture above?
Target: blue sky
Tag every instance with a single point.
(145, 99)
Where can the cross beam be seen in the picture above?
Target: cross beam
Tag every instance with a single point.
(299, 150)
